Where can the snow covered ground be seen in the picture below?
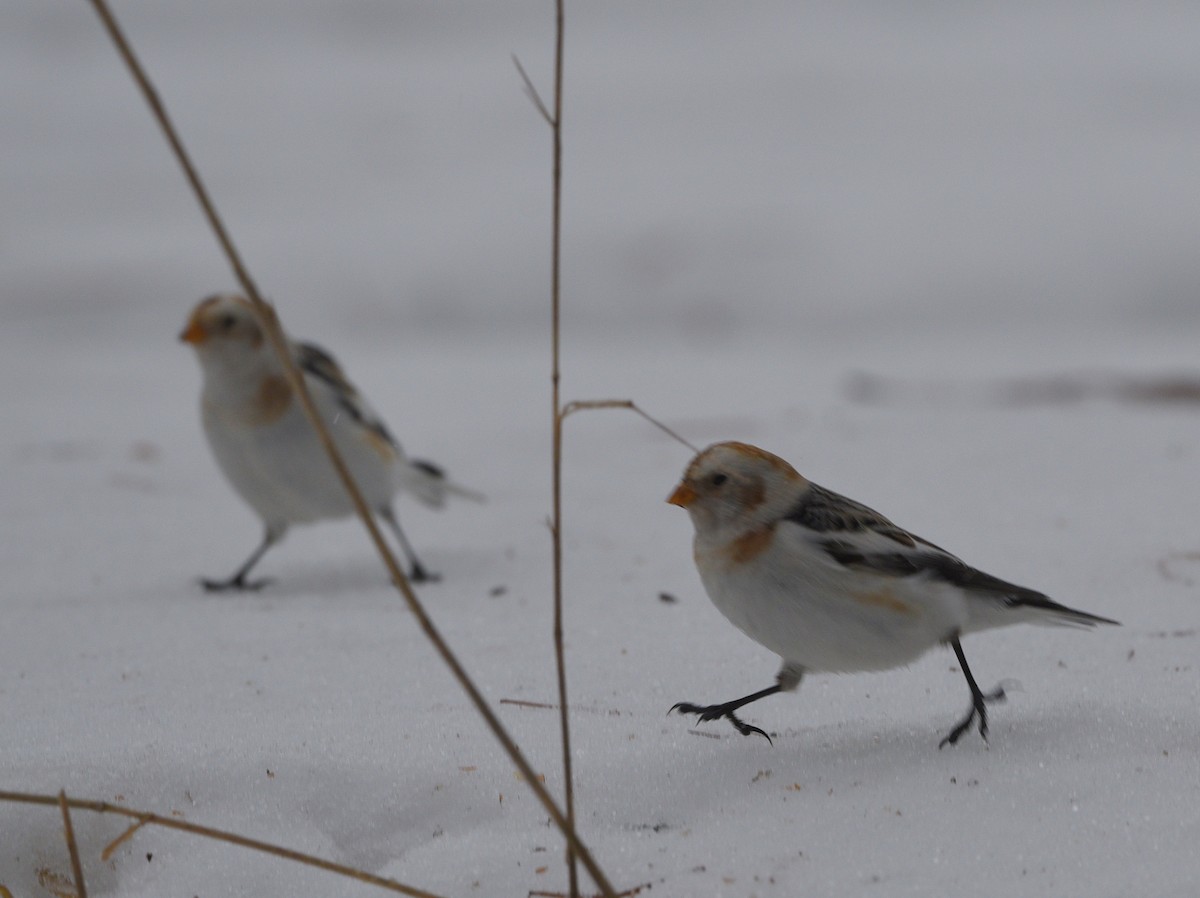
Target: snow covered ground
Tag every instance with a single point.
(764, 202)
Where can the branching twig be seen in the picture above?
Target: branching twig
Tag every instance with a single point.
(279, 342)
(532, 93)
(147, 819)
(111, 848)
(591, 404)
(72, 848)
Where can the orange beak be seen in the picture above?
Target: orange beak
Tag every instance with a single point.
(194, 333)
(683, 496)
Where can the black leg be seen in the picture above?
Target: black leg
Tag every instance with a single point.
(714, 712)
(417, 572)
(979, 701)
(238, 581)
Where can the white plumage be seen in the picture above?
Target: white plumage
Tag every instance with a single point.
(829, 584)
(266, 447)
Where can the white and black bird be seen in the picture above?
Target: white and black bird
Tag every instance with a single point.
(267, 449)
(831, 585)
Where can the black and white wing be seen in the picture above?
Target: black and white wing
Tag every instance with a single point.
(323, 367)
(859, 538)
(424, 479)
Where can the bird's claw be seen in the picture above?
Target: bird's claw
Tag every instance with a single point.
(978, 709)
(715, 712)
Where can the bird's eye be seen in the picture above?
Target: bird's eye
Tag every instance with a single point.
(718, 479)
(227, 322)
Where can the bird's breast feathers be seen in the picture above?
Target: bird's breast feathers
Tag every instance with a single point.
(783, 589)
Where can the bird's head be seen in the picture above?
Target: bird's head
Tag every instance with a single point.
(221, 322)
(736, 487)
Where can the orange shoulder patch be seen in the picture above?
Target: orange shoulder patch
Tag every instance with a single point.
(273, 399)
(750, 545)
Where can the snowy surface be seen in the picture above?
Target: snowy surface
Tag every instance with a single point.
(764, 201)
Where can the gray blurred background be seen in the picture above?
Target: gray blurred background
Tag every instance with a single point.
(731, 169)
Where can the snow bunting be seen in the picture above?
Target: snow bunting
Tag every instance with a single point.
(269, 452)
(831, 585)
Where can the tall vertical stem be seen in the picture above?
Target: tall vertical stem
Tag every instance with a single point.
(557, 420)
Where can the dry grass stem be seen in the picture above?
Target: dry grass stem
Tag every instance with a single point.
(592, 404)
(147, 819)
(270, 320)
(549, 706)
(278, 341)
(522, 703)
(72, 848)
(111, 848)
(628, 893)
(532, 93)
(555, 121)
(560, 413)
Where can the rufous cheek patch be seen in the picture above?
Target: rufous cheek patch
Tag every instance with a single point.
(753, 494)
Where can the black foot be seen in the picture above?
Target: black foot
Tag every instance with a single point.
(234, 584)
(978, 710)
(420, 575)
(715, 712)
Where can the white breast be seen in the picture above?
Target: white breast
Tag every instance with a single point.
(799, 603)
(282, 472)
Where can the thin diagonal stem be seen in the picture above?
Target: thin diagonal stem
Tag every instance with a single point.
(581, 405)
(531, 92)
(295, 378)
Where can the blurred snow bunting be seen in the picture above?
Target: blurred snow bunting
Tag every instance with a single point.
(831, 585)
(269, 452)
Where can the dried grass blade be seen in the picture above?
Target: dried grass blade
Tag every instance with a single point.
(72, 848)
(208, 832)
(120, 840)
